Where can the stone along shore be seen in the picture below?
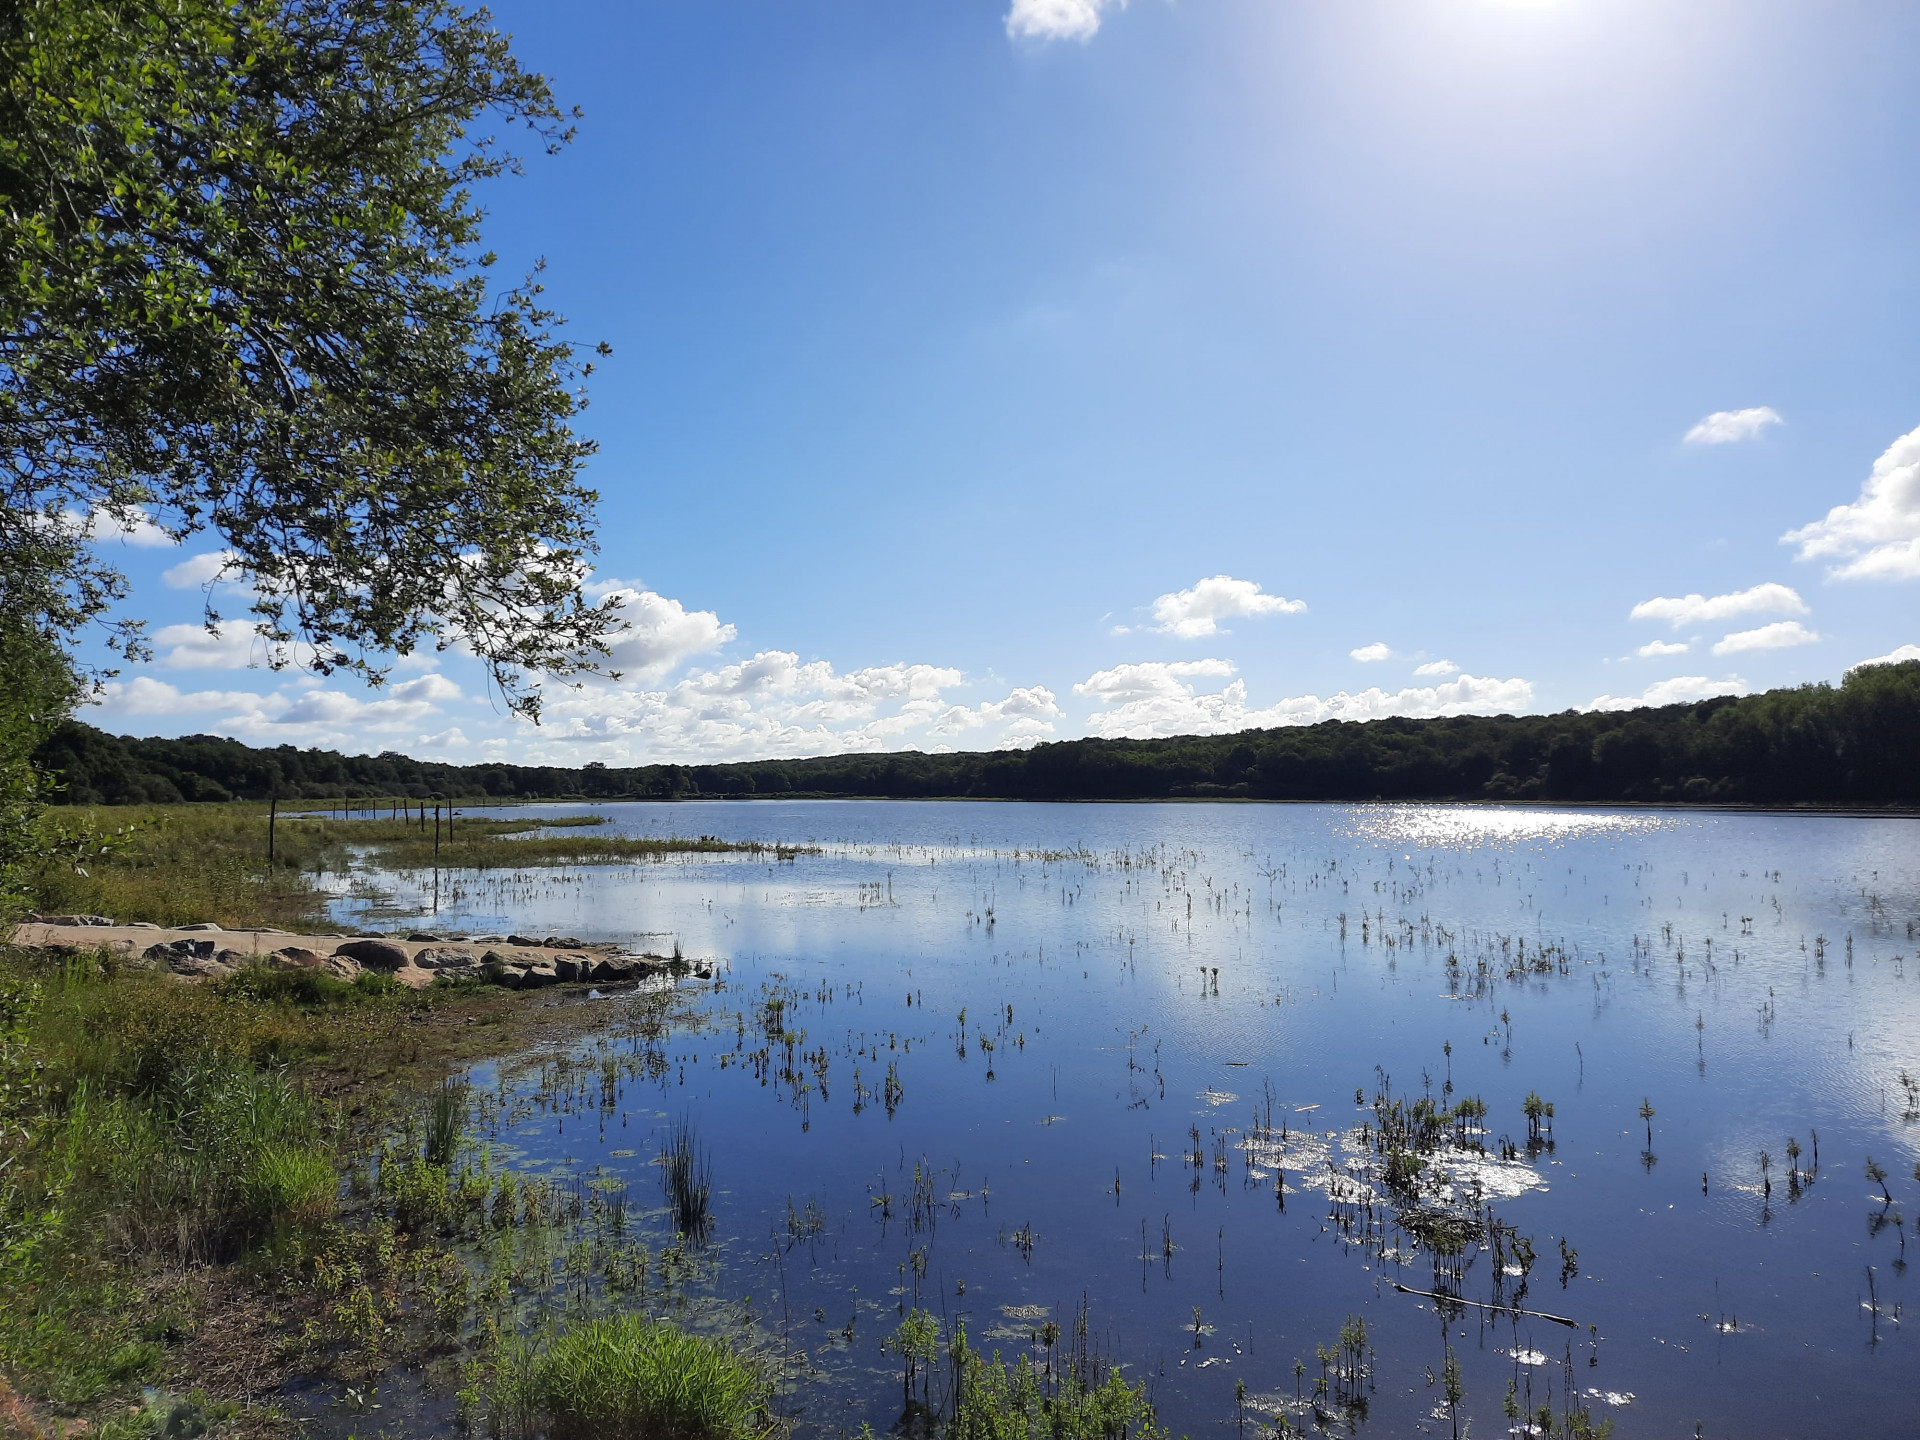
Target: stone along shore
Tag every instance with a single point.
(417, 959)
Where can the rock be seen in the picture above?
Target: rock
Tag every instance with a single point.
(192, 959)
(198, 925)
(168, 951)
(538, 977)
(523, 940)
(446, 957)
(572, 968)
(296, 957)
(426, 935)
(196, 969)
(75, 920)
(562, 942)
(489, 940)
(500, 970)
(413, 977)
(233, 959)
(140, 925)
(375, 954)
(614, 967)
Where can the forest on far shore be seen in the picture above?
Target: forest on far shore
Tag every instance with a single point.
(1855, 744)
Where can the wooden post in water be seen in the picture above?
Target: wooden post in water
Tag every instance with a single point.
(436, 829)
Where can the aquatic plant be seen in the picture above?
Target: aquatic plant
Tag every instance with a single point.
(1877, 1175)
(916, 1340)
(446, 1118)
(629, 1378)
(686, 1174)
(1092, 1401)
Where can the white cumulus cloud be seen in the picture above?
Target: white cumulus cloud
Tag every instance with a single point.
(1680, 690)
(1892, 657)
(137, 530)
(229, 645)
(1057, 19)
(659, 633)
(1697, 609)
(433, 688)
(1724, 427)
(1653, 649)
(1195, 614)
(1367, 654)
(1877, 536)
(1157, 699)
(198, 570)
(1778, 636)
(774, 704)
(1437, 667)
(144, 695)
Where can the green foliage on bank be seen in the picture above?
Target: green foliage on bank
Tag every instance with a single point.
(624, 1377)
(1857, 743)
(144, 1126)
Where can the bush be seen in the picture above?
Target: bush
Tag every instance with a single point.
(628, 1378)
(998, 1402)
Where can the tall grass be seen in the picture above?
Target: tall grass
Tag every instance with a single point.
(446, 1119)
(628, 1378)
(686, 1173)
(176, 864)
(147, 1126)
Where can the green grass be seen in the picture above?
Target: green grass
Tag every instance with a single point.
(140, 1133)
(177, 864)
(628, 1378)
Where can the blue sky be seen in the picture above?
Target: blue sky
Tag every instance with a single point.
(994, 372)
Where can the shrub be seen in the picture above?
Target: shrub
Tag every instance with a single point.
(628, 1378)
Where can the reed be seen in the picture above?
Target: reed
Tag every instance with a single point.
(687, 1176)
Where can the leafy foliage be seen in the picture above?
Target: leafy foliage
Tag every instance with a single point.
(1857, 743)
(241, 290)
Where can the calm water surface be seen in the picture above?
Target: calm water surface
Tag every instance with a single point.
(1145, 987)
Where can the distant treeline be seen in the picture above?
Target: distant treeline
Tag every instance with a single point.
(1857, 744)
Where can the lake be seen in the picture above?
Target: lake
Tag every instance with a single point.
(1015, 1063)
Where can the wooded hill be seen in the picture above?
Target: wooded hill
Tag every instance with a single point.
(1857, 744)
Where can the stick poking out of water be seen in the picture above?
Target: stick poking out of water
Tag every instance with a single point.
(1483, 1305)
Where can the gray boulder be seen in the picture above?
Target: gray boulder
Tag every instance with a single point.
(192, 959)
(168, 951)
(296, 957)
(375, 954)
(446, 957)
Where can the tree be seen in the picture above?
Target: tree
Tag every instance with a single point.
(241, 292)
